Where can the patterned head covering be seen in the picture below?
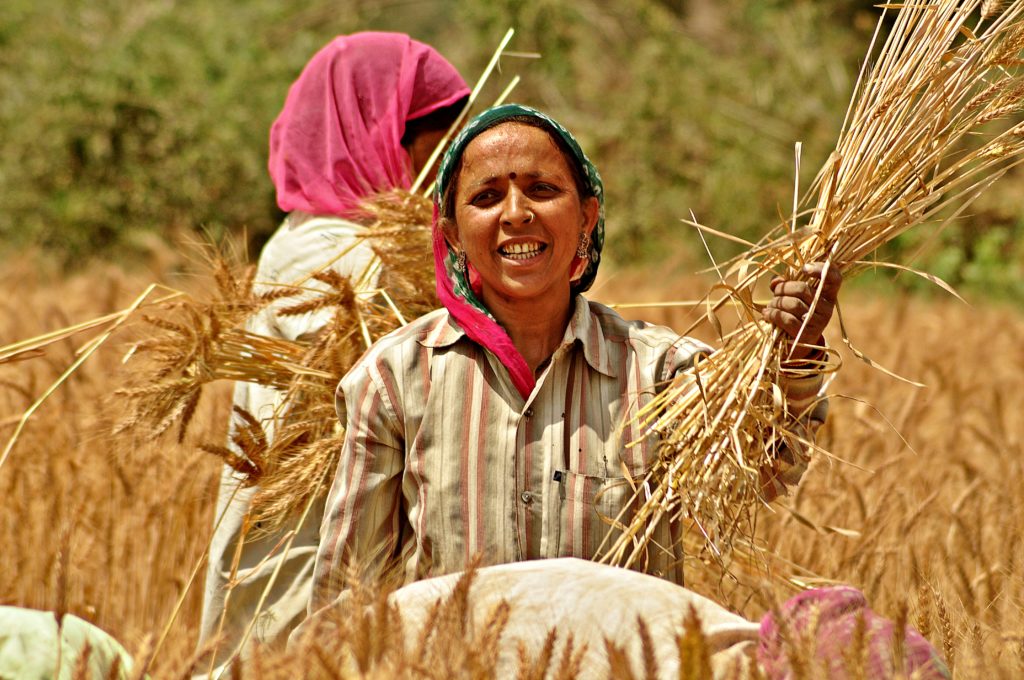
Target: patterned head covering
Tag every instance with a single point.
(338, 137)
(456, 289)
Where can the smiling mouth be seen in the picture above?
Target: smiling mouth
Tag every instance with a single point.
(522, 251)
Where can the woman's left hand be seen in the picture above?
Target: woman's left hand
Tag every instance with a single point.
(791, 301)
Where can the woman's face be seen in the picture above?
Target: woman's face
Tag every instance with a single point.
(423, 144)
(518, 214)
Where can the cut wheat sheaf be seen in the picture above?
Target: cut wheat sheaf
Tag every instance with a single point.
(191, 343)
(932, 123)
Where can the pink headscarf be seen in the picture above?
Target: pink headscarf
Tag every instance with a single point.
(827, 619)
(338, 137)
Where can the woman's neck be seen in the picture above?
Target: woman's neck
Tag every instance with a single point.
(536, 328)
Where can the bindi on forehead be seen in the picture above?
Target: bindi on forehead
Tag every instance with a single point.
(511, 175)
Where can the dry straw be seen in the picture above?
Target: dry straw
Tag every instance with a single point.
(191, 343)
(930, 125)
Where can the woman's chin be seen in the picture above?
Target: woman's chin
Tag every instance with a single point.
(527, 289)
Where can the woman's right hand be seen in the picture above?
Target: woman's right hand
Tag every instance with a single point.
(792, 300)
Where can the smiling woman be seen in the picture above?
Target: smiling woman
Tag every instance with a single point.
(524, 227)
(497, 425)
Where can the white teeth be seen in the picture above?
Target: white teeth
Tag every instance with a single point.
(520, 251)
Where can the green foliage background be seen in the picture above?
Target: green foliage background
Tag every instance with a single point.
(121, 121)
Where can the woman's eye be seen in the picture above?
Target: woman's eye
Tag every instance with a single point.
(545, 189)
(483, 198)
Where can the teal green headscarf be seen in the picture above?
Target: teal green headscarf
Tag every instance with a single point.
(454, 287)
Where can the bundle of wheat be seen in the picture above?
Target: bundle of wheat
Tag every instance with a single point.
(193, 342)
(929, 127)
(307, 440)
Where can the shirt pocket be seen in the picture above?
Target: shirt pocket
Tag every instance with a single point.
(589, 505)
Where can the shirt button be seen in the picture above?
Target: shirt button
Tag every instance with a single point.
(528, 413)
(527, 497)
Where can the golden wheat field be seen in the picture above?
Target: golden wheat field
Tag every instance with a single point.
(925, 514)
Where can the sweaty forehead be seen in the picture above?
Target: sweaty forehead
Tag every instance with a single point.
(513, 149)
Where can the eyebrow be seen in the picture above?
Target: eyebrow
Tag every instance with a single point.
(529, 175)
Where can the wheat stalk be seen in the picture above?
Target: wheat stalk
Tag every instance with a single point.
(924, 135)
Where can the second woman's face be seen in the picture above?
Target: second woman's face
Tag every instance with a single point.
(518, 214)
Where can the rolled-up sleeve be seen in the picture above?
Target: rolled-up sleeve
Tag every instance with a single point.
(363, 523)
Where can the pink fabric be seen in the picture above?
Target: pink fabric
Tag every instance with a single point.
(830, 616)
(477, 325)
(338, 137)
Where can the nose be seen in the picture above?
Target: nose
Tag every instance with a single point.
(515, 209)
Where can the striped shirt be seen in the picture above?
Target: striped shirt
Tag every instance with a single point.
(444, 461)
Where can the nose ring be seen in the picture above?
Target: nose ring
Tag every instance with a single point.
(529, 215)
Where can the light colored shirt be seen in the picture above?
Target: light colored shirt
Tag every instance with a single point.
(304, 244)
(444, 460)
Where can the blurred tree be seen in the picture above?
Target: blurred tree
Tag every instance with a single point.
(125, 118)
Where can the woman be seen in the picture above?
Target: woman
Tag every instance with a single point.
(493, 429)
(492, 426)
(363, 117)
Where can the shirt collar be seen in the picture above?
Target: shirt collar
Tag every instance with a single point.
(444, 334)
(584, 327)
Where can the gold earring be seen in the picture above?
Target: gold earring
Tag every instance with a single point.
(460, 262)
(583, 249)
